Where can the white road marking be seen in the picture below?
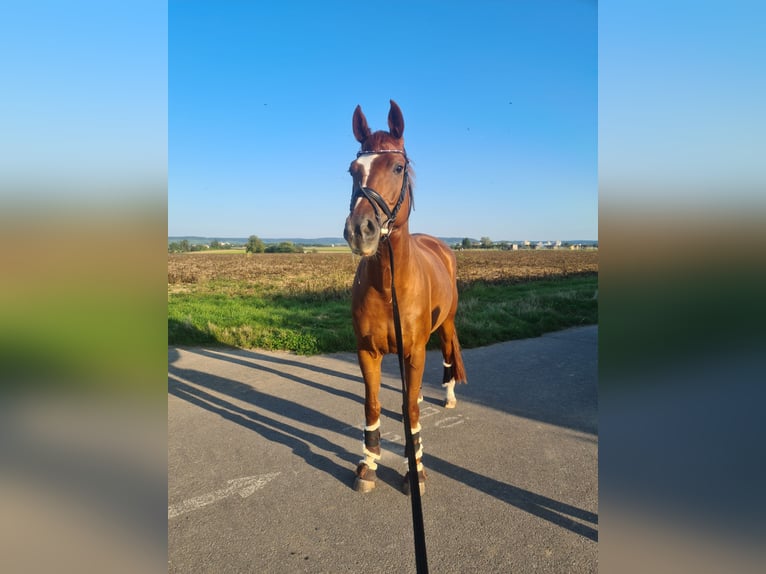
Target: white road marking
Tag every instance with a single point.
(244, 486)
(450, 422)
(391, 437)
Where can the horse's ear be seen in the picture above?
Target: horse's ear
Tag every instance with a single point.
(361, 129)
(395, 121)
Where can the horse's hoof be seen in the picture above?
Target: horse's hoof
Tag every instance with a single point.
(450, 403)
(361, 485)
(421, 483)
(365, 479)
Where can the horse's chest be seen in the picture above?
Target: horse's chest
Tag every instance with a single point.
(373, 322)
(373, 319)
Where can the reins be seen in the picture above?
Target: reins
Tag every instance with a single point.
(421, 560)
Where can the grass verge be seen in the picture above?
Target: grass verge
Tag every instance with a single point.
(492, 313)
(242, 314)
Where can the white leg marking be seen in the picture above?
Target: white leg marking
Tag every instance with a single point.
(370, 459)
(370, 462)
(374, 426)
(450, 386)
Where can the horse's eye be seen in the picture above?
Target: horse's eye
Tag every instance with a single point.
(398, 169)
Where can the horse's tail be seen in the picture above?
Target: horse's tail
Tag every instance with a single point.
(458, 370)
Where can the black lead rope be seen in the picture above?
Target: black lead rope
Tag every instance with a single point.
(421, 560)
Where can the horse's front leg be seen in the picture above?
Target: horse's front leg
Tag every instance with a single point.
(414, 368)
(365, 470)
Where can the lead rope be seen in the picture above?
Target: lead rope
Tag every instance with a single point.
(421, 560)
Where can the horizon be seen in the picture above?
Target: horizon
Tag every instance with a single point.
(342, 241)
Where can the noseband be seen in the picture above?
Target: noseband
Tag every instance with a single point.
(375, 198)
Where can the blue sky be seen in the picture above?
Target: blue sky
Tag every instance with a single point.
(499, 100)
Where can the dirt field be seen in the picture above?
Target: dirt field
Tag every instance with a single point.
(336, 270)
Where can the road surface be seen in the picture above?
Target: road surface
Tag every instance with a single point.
(262, 447)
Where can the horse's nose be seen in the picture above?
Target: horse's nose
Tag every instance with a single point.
(367, 229)
(362, 229)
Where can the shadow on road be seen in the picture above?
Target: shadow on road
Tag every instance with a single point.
(203, 390)
(245, 358)
(269, 428)
(541, 506)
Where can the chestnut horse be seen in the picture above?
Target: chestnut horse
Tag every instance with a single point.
(424, 282)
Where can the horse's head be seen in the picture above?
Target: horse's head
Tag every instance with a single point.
(381, 196)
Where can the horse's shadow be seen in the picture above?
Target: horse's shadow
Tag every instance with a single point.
(553, 511)
(203, 389)
(245, 358)
(186, 384)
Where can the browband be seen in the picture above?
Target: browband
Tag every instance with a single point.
(374, 151)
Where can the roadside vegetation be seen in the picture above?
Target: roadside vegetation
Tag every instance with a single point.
(300, 302)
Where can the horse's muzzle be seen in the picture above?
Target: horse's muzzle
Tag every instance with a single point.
(362, 234)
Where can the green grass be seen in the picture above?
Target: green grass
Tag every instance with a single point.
(493, 313)
(245, 315)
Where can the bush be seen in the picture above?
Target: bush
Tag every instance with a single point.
(254, 245)
(284, 247)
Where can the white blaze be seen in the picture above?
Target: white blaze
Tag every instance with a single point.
(366, 162)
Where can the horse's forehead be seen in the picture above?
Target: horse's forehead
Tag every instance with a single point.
(365, 162)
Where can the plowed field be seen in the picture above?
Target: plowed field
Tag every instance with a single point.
(335, 271)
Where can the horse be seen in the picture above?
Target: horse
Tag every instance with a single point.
(425, 285)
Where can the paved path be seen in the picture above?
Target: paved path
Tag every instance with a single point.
(262, 448)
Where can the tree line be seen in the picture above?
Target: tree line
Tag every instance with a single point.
(184, 246)
(254, 245)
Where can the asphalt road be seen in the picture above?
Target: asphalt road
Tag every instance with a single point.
(262, 447)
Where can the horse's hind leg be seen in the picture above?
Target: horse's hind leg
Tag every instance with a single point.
(365, 471)
(452, 361)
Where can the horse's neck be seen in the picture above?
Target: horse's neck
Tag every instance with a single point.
(401, 243)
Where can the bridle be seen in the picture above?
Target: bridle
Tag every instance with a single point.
(376, 200)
